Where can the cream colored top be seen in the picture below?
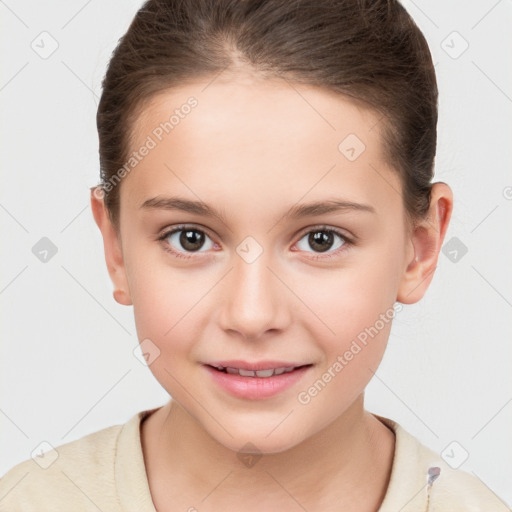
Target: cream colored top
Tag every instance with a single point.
(105, 471)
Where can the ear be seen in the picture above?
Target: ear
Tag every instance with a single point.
(427, 239)
(112, 246)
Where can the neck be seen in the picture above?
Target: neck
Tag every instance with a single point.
(346, 466)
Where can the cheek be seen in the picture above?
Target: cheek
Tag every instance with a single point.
(167, 303)
(165, 300)
(348, 301)
(356, 309)
(362, 323)
(166, 312)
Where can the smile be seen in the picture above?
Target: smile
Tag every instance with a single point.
(256, 381)
(256, 373)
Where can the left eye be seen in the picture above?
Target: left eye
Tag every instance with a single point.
(321, 240)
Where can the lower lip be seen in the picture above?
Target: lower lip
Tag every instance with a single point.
(256, 388)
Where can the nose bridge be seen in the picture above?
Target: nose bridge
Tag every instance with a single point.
(253, 301)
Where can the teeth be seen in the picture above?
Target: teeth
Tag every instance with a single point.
(257, 373)
(246, 373)
(265, 373)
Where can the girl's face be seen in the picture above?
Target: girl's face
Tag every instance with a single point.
(257, 278)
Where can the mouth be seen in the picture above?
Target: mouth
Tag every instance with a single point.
(256, 381)
(264, 374)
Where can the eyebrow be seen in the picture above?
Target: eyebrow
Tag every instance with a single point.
(297, 211)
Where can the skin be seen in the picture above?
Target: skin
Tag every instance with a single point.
(252, 149)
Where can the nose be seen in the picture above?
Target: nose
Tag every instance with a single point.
(253, 300)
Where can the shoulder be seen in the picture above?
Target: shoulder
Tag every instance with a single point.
(78, 475)
(422, 481)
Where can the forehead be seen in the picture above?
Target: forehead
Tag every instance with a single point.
(262, 139)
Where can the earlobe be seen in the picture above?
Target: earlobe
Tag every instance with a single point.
(121, 297)
(112, 248)
(426, 240)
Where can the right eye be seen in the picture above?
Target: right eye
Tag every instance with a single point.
(183, 240)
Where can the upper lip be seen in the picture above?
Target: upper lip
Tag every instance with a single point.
(257, 365)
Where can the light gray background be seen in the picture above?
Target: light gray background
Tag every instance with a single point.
(67, 363)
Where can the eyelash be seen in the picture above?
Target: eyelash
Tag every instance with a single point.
(347, 242)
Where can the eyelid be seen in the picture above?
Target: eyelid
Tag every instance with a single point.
(324, 227)
(169, 230)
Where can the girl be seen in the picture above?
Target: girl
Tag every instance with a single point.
(266, 206)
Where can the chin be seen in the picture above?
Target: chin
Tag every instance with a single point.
(256, 440)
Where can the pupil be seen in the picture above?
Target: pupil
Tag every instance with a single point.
(189, 238)
(321, 240)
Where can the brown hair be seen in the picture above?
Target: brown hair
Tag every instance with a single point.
(369, 50)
